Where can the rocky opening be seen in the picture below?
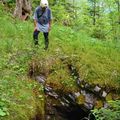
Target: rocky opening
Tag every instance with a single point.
(64, 106)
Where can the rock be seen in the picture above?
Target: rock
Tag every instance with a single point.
(83, 92)
(72, 97)
(48, 117)
(85, 118)
(64, 104)
(90, 100)
(104, 94)
(77, 94)
(87, 86)
(53, 94)
(40, 79)
(97, 88)
(89, 106)
(65, 100)
(79, 81)
(47, 89)
(105, 105)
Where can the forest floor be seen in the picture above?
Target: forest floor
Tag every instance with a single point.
(97, 62)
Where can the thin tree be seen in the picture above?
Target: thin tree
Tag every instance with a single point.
(118, 7)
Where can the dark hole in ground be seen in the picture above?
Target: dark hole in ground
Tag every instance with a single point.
(74, 112)
(37, 117)
(68, 113)
(63, 106)
(68, 110)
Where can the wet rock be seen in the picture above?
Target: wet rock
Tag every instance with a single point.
(67, 107)
(53, 94)
(47, 88)
(65, 100)
(49, 91)
(89, 106)
(72, 97)
(64, 104)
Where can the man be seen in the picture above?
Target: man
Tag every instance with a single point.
(42, 22)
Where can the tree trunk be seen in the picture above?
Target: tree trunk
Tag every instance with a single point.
(94, 13)
(22, 9)
(119, 11)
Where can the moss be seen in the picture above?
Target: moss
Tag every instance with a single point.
(21, 101)
(94, 61)
(81, 99)
(109, 97)
(99, 104)
(61, 80)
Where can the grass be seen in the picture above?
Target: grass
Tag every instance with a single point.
(96, 61)
(19, 95)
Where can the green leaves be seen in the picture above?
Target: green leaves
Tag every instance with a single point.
(2, 113)
(3, 108)
(111, 113)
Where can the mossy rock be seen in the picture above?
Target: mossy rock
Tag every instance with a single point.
(81, 99)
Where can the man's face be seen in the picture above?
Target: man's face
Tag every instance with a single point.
(44, 8)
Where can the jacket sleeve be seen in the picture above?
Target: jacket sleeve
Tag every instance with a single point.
(35, 14)
(50, 17)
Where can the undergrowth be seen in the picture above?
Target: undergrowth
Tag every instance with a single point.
(97, 62)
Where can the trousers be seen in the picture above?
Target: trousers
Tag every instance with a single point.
(35, 37)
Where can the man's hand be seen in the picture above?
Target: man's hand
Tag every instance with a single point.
(35, 29)
(49, 26)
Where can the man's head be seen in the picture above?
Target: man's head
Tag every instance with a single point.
(44, 4)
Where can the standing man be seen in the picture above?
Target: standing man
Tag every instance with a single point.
(42, 22)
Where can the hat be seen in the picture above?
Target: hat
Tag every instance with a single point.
(44, 3)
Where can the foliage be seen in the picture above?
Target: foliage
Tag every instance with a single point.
(98, 18)
(111, 113)
(19, 96)
(35, 3)
(3, 108)
(8, 1)
(93, 59)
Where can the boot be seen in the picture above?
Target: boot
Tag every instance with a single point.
(36, 41)
(46, 45)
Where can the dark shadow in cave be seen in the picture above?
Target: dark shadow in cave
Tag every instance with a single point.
(74, 112)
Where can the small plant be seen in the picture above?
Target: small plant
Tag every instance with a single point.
(3, 108)
(111, 113)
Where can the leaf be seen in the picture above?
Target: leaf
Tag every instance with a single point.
(2, 113)
(2, 104)
(40, 96)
